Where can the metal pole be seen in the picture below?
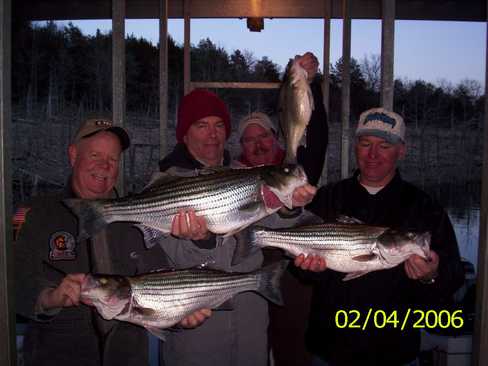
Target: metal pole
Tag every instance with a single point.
(326, 80)
(480, 338)
(387, 53)
(163, 77)
(186, 49)
(7, 309)
(118, 76)
(345, 86)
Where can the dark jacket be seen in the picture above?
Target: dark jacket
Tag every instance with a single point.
(70, 335)
(312, 156)
(402, 206)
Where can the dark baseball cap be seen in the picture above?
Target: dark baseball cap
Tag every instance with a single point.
(94, 125)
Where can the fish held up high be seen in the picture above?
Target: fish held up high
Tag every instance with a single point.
(347, 246)
(295, 107)
(160, 300)
(229, 199)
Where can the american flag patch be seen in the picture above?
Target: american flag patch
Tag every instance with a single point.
(19, 219)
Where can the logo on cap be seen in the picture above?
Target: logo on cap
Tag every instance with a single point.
(103, 123)
(380, 117)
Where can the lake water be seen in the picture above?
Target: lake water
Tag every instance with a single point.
(466, 225)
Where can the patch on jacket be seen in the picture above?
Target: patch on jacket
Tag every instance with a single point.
(19, 219)
(62, 246)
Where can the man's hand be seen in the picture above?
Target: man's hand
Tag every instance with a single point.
(65, 295)
(187, 225)
(310, 63)
(418, 268)
(303, 195)
(312, 263)
(195, 319)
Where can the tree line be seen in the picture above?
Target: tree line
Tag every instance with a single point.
(59, 73)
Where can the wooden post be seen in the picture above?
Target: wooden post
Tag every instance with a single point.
(480, 338)
(387, 53)
(186, 48)
(118, 76)
(163, 77)
(326, 71)
(345, 87)
(7, 310)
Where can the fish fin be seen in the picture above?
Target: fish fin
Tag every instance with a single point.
(213, 170)
(308, 218)
(364, 258)
(270, 279)
(158, 332)
(344, 219)
(225, 306)
(245, 246)
(152, 236)
(353, 275)
(159, 179)
(250, 208)
(90, 216)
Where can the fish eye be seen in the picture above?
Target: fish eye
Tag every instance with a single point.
(286, 170)
(103, 281)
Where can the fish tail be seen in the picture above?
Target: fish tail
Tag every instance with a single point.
(90, 216)
(245, 245)
(270, 279)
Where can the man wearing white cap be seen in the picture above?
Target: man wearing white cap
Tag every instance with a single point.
(377, 195)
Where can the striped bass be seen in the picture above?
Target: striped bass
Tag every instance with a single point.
(348, 247)
(229, 199)
(295, 106)
(160, 300)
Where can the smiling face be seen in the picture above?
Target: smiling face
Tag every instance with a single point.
(205, 140)
(259, 145)
(376, 159)
(95, 163)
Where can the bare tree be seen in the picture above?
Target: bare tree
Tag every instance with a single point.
(371, 69)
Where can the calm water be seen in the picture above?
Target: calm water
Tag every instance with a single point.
(466, 225)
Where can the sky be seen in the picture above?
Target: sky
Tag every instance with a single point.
(432, 51)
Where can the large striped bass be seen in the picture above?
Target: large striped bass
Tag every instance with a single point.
(295, 106)
(354, 248)
(229, 199)
(160, 300)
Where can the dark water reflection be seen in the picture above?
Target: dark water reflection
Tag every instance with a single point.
(462, 202)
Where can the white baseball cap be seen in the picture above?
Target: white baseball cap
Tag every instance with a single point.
(381, 123)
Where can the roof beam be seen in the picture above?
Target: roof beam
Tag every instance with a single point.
(461, 10)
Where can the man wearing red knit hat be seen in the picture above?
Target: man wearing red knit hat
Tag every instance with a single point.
(228, 337)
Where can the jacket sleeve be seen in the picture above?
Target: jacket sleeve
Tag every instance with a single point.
(312, 156)
(29, 253)
(450, 275)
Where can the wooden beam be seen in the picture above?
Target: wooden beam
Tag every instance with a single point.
(233, 85)
(462, 10)
(163, 77)
(118, 77)
(326, 81)
(7, 310)
(480, 338)
(387, 53)
(345, 87)
(187, 49)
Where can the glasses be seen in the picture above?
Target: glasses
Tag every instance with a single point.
(251, 140)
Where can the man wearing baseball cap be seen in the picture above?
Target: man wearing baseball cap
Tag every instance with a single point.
(377, 195)
(51, 265)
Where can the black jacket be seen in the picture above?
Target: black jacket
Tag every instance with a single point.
(312, 156)
(398, 205)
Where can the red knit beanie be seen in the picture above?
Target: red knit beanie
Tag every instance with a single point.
(199, 104)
